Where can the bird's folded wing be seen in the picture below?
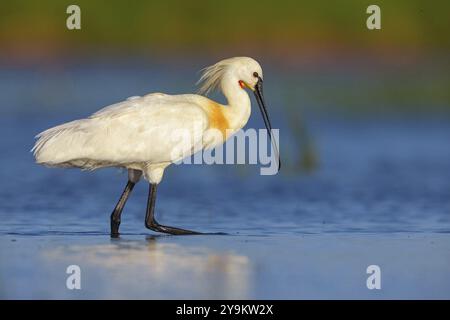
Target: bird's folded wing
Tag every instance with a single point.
(154, 128)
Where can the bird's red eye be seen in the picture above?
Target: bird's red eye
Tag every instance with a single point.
(241, 84)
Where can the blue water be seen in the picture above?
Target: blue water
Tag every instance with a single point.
(379, 194)
(372, 176)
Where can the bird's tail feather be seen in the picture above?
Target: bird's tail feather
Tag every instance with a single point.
(50, 148)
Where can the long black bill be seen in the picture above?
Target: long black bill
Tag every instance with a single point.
(262, 106)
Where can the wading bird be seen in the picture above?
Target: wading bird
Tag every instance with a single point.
(136, 134)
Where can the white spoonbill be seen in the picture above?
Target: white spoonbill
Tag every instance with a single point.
(135, 134)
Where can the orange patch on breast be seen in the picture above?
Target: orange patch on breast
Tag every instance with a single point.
(217, 119)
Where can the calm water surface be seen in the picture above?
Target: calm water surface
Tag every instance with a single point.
(380, 195)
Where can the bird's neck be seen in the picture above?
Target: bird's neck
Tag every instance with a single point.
(239, 108)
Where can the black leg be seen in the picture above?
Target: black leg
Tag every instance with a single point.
(117, 212)
(150, 221)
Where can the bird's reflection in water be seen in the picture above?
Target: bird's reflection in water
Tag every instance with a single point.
(157, 269)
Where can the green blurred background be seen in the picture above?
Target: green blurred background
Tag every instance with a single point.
(284, 29)
(322, 50)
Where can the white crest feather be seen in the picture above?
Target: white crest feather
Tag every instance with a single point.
(212, 75)
(210, 78)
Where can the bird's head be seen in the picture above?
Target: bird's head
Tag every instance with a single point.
(243, 72)
(249, 73)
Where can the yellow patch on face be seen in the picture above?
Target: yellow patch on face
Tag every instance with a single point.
(217, 119)
(244, 85)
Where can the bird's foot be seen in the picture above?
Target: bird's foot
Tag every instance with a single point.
(155, 226)
(115, 228)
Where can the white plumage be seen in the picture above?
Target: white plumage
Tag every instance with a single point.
(138, 133)
(146, 134)
(131, 134)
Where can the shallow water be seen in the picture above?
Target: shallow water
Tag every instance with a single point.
(226, 267)
(379, 196)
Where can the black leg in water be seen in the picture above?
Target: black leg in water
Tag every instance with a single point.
(150, 221)
(117, 212)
